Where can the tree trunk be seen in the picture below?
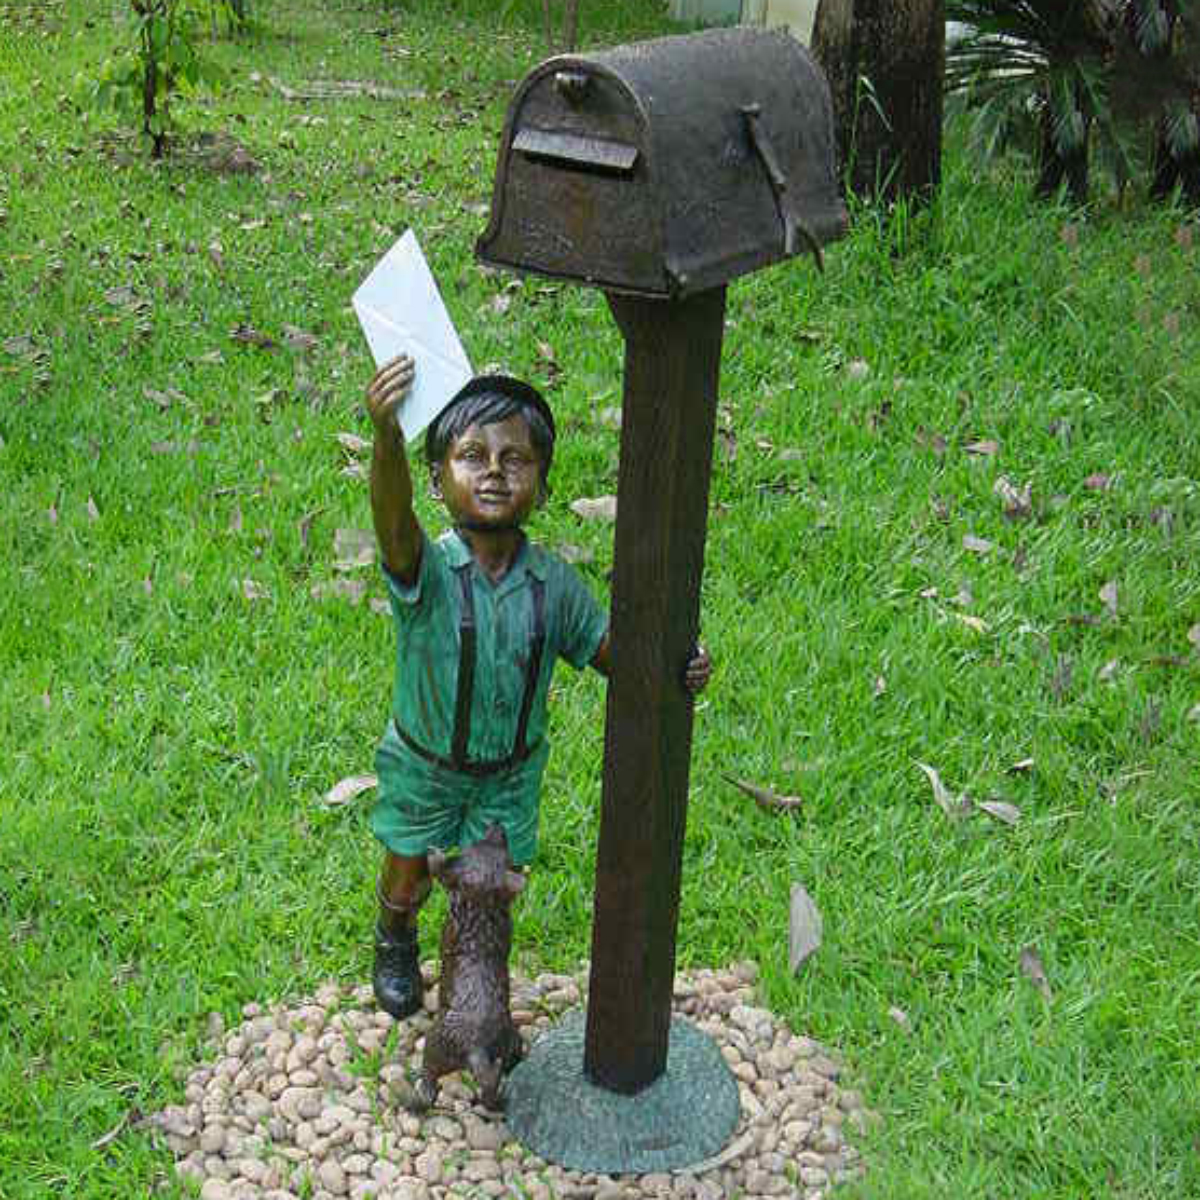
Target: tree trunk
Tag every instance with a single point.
(885, 60)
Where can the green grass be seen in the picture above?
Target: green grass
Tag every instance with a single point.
(164, 742)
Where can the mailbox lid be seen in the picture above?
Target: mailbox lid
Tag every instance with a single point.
(726, 190)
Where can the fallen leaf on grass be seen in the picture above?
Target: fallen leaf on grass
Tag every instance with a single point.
(767, 800)
(19, 346)
(977, 545)
(858, 368)
(1194, 714)
(352, 590)
(1108, 672)
(946, 800)
(599, 508)
(804, 928)
(356, 470)
(92, 511)
(976, 623)
(1018, 502)
(213, 358)
(610, 416)
(217, 253)
(1098, 482)
(120, 297)
(1193, 635)
(132, 1117)
(1021, 767)
(253, 590)
(353, 444)
(347, 789)
(901, 1018)
(1009, 814)
(353, 549)
(1034, 971)
(250, 336)
(987, 448)
(879, 687)
(1108, 597)
(299, 339)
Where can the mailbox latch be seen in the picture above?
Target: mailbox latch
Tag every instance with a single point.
(792, 224)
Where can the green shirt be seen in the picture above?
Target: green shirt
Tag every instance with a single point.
(427, 617)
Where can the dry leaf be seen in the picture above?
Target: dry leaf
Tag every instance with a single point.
(901, 1018)
(19, 346)
(92, 511)
(299, 339)
(1141, 264)
(1009, 814)
(52, 513)
(501, 303)
(804, 928)
(347, 789)
(252, 337)
(352, 590)
(380, 607)
(1018, 502)
(1070, 235)
(1098, 482)
(977, 545)
(353, 549)
(353, 444)
(880, 686)
(1193, 635)
(1034, 971)
(976, 623)
(120, 297)
(599, 508)
(1108, 672)
(356, 470)
(252, 590)
(304, 527)
(1183, 237)
(610, 416)
(947, 801)
(858, 368)
(213, 358)
(1194, 714)
(132, 1117)
(987, 448)
(767, 800)
(1021, 767)
(217, 253)
(1108, 597)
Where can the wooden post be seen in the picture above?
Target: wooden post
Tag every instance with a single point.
(672, 367)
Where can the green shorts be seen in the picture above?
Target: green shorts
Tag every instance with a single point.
(421, 806)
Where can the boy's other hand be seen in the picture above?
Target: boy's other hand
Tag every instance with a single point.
(698, 671)
(387, 390)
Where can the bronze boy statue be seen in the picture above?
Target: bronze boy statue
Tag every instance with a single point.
(481, 617)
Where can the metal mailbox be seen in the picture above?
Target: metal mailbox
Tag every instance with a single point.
(667, 167)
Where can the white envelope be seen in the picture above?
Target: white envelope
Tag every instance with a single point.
(401, 312)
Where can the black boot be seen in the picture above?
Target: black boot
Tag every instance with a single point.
(397, 978)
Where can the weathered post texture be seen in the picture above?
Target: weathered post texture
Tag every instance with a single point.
(672, 364)
(885, 61)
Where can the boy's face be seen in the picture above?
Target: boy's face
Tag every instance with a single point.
(491, 477)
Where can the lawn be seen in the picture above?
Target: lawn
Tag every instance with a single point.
(187, 674)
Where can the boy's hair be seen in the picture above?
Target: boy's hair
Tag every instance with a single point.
(484, 401)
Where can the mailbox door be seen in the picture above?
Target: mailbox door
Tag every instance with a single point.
(572, 195)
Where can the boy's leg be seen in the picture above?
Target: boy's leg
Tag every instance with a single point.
(402, 888)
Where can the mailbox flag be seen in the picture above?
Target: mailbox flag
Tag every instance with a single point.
(401, 312)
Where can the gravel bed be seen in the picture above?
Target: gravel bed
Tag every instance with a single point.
(308, 1101)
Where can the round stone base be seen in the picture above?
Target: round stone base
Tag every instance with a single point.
(684, 1117)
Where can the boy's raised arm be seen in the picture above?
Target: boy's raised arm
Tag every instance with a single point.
(396, 526)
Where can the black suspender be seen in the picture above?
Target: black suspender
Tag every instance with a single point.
(468, 652)
(466, 670)
(533, 668)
